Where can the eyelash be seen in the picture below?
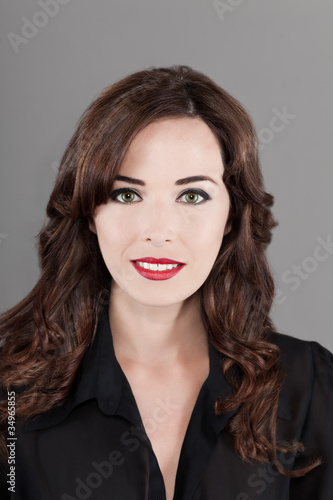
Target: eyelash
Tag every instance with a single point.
(114, 195)
(117, 192)
(199, 192)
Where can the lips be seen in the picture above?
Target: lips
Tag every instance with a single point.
(157, 269)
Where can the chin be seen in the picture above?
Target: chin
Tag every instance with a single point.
(159, 300)
(151, 293)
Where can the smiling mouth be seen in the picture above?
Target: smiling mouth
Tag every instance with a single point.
(157, 269)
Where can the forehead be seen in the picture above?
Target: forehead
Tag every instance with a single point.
(177, 145)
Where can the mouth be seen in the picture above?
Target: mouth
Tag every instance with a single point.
(157, 269)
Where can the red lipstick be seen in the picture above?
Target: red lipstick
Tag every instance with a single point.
(157, 269)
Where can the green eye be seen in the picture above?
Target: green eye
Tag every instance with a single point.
(127, 196)
(191, 197)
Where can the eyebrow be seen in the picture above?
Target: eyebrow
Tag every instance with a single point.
(180, 182)
(130, 180)
(194, 178)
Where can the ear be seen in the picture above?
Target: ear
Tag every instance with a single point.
(92, 226)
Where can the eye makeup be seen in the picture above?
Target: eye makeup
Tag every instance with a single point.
(125, 190)
(131, 196)
(198, 193)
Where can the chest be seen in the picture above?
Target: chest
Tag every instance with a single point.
(165, 407)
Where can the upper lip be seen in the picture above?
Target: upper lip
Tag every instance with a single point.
(152, 260)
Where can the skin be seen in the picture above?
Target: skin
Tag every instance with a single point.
(159, 339)
(161, 222)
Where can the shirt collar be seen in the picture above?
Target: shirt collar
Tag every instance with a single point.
(100, 377)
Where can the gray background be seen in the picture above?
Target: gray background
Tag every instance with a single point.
(275, 57)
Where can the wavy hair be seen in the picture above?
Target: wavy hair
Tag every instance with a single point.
(45, 336)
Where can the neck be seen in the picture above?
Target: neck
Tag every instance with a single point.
(155, 336)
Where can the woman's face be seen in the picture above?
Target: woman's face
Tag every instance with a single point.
(163, 226)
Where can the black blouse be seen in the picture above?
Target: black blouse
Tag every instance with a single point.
(95, 446)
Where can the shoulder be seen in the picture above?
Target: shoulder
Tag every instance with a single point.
(308, 375)
(296, 353)
(305, 411)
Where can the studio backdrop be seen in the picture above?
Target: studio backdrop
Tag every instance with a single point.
(274, 57)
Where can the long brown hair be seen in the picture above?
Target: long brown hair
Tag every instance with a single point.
(44, 337)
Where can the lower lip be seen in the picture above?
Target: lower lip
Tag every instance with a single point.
(158, 275)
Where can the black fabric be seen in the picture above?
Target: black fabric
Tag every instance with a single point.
(95, 445)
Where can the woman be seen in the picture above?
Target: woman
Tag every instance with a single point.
(157, 229)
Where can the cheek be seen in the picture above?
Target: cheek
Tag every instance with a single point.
(112, 225)
(203, 229)
(113, 236)
(113, 240)
(206, 238)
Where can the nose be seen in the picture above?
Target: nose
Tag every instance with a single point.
(158, 226)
